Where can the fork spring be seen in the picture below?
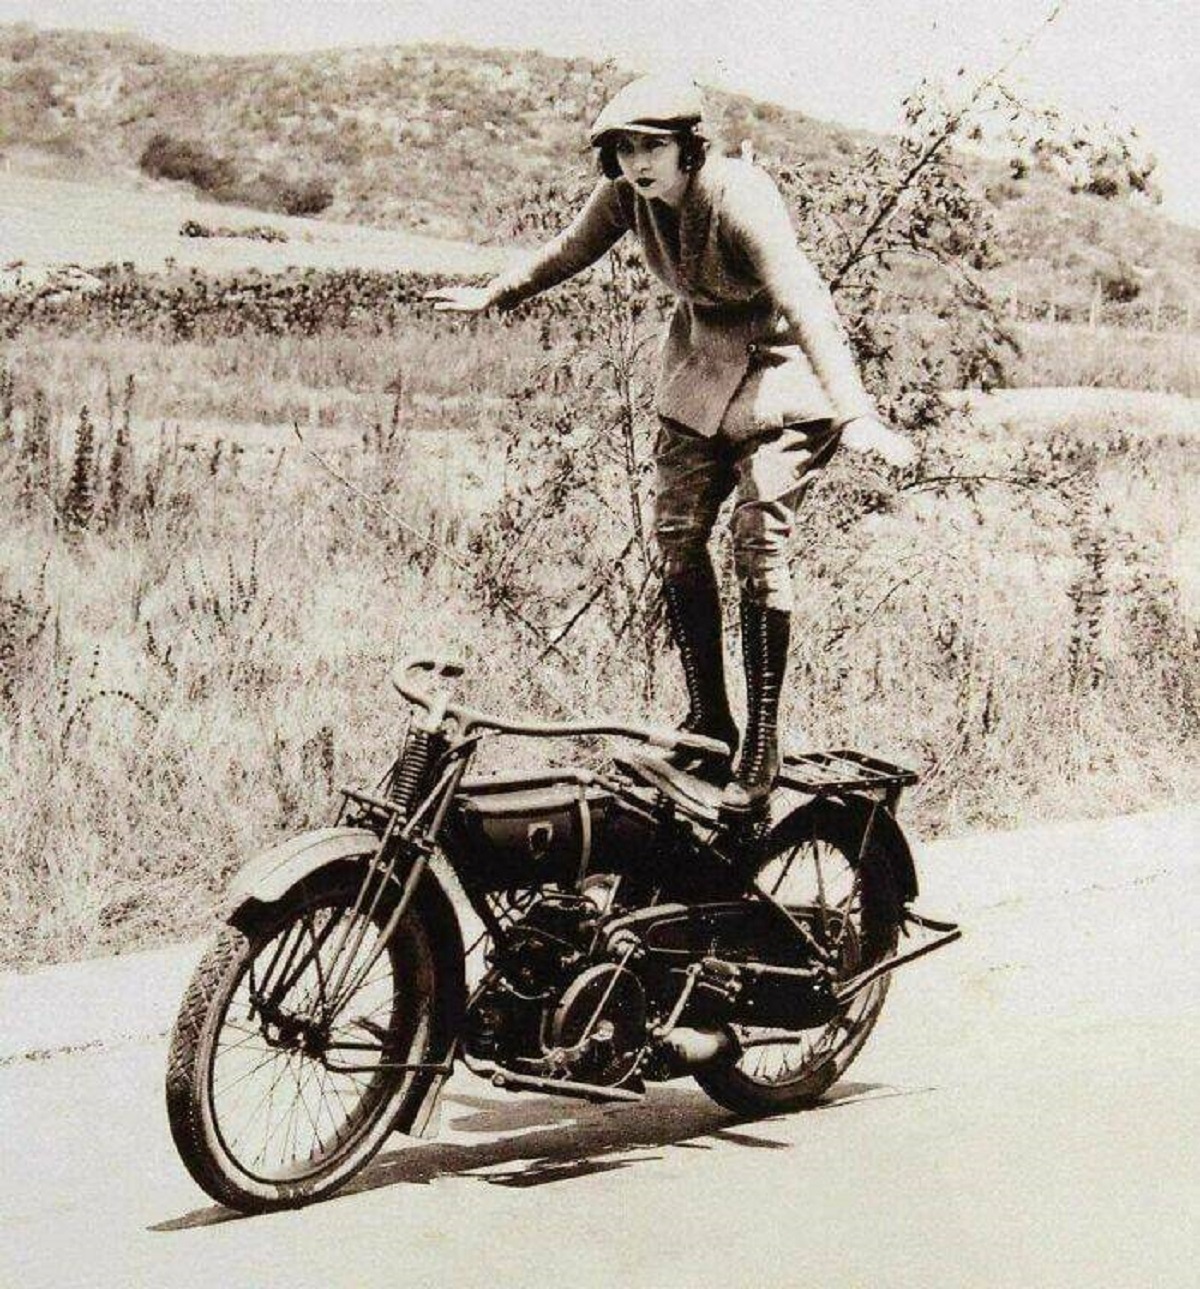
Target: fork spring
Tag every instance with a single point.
(410, 772)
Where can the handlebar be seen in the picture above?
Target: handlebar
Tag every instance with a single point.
(471, 718)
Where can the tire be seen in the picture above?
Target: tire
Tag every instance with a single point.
(260, 1120)
(779, 1077)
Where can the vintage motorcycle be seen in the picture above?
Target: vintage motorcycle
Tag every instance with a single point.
(631, 933)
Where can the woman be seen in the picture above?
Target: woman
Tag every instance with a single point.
(757, 388)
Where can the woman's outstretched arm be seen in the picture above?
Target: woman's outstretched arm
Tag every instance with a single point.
(594, 230)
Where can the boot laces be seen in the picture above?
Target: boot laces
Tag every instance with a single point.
(699, 716)
(763, 688)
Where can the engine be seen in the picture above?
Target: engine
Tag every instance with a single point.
(550, 1009)
(603, 1001)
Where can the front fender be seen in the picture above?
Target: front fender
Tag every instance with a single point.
(269, 875)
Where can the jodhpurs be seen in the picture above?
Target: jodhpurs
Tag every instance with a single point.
(770, 474)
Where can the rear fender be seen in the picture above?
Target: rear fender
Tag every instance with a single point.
(887, 842)
(268, 877)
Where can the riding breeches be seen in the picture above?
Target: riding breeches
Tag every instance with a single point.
(768, 474)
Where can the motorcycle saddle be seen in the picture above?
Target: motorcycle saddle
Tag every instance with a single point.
(691, 794)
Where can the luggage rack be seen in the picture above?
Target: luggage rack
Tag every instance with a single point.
(843, 771)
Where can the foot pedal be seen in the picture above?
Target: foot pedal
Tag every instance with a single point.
(944, 933)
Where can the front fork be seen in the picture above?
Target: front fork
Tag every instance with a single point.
(407, 839)
(399, 862)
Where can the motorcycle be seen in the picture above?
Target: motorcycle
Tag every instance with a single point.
(631, 933)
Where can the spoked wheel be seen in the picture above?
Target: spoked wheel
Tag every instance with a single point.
(853, 911)
(281, 1081)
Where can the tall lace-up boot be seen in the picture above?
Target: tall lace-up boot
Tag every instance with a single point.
(694, 615)
(766, 634)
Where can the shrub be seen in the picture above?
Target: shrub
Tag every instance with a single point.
(271, 190)
(167, 157)
(1103, 186)
(1003, 190)
(307, 197)
(1119, 283)
(255, 232)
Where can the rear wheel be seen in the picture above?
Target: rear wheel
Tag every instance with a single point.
(813, 870)
(281, 1081)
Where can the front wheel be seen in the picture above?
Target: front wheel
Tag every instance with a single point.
(813, 869)
(282, 1079)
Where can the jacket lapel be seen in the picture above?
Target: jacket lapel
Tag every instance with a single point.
(695, 221)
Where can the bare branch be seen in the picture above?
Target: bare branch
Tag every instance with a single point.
(926, 158)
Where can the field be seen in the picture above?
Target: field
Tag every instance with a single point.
(236, 487)
(47, 221)
(197, 628)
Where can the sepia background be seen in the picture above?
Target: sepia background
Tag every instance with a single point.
(244, 467)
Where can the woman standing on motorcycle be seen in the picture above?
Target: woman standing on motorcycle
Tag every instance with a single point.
(757, 387)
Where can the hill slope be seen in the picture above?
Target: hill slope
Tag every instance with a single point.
(448, 140)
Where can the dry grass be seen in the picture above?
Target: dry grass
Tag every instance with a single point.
(1108, 357)
(189, 672)
(343, 380)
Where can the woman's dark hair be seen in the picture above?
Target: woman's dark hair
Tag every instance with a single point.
(692, 150)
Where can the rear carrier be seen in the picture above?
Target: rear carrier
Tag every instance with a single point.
(524, 830)
(823, 773)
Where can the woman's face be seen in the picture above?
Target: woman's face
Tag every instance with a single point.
(651, 164)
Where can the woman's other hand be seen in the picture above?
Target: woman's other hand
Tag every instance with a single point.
(460, 299)
(868, 434)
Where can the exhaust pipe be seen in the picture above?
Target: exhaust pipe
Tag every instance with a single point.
(687, 1049)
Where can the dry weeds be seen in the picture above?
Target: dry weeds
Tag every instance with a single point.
(195, 638)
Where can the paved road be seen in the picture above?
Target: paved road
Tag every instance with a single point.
(1025, 1115)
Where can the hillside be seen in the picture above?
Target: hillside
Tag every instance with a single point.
(448, 141)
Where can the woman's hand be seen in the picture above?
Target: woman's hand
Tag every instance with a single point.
(869, 434)
(460, 299)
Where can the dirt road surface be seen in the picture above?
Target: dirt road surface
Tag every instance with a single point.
(47, 222)
(1025, 1115)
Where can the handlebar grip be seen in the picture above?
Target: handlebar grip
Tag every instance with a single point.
(447, 667)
